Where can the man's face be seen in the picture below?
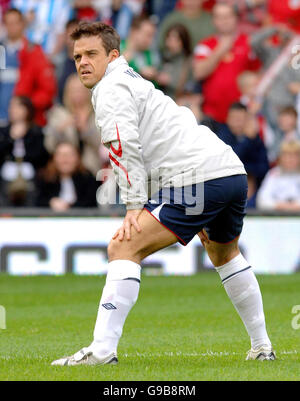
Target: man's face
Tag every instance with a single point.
(91, 59)
(236, 121)
(14, 25)
(225, 20)
(192, 5)
(66, 159)
(144, 36)
(287, 122)
(290, 160)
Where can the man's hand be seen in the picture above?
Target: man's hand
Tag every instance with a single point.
(204, 238)
(225, 44)
(18, 130)
(163, 78)
(149, 73)
(251, 128)
(58, 205)
(129, 220)
(294, 88)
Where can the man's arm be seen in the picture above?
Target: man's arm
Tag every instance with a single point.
(127, 164)
(118, 118)
(257, 39)
(206, 64)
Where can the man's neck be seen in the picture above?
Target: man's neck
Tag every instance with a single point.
(14, 42)
(82, 108)
(192, 13)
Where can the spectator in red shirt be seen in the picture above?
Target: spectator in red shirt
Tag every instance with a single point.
(33, 74)
(285, 11)
(219, 60)
(251, 13)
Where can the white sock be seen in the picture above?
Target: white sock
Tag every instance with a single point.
(119, 295)
(242, 288)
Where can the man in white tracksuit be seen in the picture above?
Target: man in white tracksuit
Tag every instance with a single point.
(177, 180)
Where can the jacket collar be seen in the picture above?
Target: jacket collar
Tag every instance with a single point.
(111, 67)
(114, 64)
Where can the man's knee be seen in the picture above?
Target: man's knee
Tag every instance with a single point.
(220, 254)
(225, 255)
(113, 249)
(123, 250)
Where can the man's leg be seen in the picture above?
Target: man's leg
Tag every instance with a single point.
(123, 281)
(241, 286)
(121, 290)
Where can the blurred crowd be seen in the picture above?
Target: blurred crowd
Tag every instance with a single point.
(234, 63)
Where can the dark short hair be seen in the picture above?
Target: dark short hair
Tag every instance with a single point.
(234, 8)
(72, 22)
(238, 107)
(109, 36)
(139, 20)
(13, 10)
(289, 110)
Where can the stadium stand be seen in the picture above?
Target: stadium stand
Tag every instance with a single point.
(173, 43)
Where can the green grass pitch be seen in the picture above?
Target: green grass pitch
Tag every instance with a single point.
(182, 328)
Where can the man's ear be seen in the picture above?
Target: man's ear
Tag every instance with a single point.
(114, 54)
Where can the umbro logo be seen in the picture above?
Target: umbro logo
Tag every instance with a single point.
(109, 306)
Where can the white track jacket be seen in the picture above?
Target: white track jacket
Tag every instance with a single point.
(152, 140)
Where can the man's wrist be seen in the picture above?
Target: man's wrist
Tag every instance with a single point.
(135, 206)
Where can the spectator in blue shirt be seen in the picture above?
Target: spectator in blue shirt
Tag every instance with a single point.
(241, 132)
